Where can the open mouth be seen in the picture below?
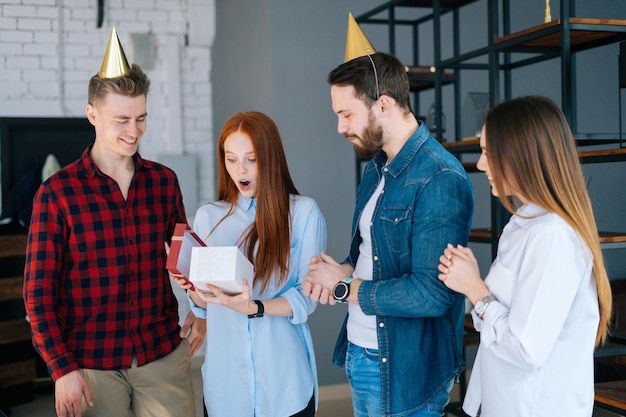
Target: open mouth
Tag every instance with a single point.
(244, 185)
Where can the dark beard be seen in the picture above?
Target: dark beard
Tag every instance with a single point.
(371, 139)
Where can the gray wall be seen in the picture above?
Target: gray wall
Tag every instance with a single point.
(274, 55)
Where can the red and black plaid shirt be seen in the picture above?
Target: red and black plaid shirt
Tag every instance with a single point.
(96, 289)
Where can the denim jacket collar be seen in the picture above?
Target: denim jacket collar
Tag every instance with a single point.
(406, 155)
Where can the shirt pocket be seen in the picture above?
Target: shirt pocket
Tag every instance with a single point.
(396, 223)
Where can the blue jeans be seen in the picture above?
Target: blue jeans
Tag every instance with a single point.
(363, 373)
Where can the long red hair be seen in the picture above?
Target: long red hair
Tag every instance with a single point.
(267, 242)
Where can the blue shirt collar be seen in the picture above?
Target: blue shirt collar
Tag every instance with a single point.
(246, 203)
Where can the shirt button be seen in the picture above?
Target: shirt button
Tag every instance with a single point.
(376, 258)
(381, 324)
(384, 360)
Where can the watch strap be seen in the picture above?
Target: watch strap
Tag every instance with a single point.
(259, 312)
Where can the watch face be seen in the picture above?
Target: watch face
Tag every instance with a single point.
(340, 291)
(479, 307)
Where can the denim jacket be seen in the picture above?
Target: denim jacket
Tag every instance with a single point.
(427, 202)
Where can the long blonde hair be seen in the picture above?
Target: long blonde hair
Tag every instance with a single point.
(529, 141)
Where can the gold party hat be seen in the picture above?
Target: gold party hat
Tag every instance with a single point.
(357, 43)
(114, 63)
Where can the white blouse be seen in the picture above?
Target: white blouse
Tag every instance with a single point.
(537, 340)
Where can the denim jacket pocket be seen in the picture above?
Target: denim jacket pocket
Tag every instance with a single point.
(396, 223)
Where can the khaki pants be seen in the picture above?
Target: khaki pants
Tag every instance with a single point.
(160, 388)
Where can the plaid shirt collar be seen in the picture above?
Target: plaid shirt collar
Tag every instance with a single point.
(91, 169)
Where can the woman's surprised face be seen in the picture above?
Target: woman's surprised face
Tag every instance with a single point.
(240, 161)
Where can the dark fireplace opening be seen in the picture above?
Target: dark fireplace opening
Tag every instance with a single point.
(25, 145)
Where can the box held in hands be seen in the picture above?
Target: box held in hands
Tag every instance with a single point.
(223, 266)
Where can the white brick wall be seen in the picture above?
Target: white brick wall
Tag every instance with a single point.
(50, 48)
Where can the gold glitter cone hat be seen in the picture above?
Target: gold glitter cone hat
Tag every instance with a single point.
(114, 63)
(357, 43)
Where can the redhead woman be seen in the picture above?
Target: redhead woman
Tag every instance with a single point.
(259, 358)
(546, 302)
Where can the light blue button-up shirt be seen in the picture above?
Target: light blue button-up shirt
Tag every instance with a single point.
(262, 366)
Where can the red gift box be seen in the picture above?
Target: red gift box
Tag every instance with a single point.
(179, 257)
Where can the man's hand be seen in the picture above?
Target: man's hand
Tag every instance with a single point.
(193, 329)
(68, 394)
(324, 272)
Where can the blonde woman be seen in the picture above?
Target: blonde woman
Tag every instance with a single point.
(546, 301)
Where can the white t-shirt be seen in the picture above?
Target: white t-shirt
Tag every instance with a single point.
(361, 327)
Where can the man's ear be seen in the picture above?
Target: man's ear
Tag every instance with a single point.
(386, 103)
(91, 113)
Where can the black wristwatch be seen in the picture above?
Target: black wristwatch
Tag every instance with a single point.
(341, 290)
(260, 312)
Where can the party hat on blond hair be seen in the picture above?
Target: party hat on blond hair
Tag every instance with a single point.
(357, 43)
(114, 63)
